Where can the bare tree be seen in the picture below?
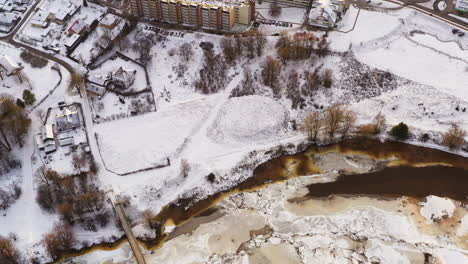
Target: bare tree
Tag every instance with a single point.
(247, 85)
(78, 162)
(374, 128)
(9, 254)
(333, 118)
(186, 52)
(150, 219)
(454, 138)
(327, 77)
(184, 168)
(312, 125)
(65, 210)
(229, 50)
(312, 82)
(41, 176)
(249, 44)
(349, 121)
(14, 123)
(59, 240)
(77, 81)
(271, 70)
(275, 9)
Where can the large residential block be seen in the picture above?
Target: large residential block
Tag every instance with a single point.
(220, 15)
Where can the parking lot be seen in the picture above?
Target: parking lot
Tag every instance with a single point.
(165, 32)
(274, 23)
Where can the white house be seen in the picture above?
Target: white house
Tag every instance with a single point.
(8, 19)
(123, 78)
(68, 120)
(326, 13)
(45, 140)
(97, 84)
(9, 66)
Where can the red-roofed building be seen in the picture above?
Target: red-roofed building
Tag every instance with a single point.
(78, 27)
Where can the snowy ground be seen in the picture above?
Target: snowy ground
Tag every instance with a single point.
(215, 133)
(129, 144)
(39, 80)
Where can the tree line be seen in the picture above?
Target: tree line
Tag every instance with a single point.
(14, 123)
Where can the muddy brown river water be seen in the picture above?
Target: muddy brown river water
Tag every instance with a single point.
(364, 166)
(400, 181)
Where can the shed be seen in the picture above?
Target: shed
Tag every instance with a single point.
(9, 65)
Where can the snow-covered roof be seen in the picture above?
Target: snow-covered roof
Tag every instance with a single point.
(97, 79)
(66, 141)
(124, 75)
(7, 18)
(109, 20)
(69, 42)
(9, 65)
(69, 119)
(324, 13)
(48, 132)
(63, 11)
(77, 26)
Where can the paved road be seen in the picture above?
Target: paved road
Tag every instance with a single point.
(128, 232)
(414, 4)
(10, 39)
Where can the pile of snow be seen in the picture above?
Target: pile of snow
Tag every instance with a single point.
(435, 208)
(248, 118)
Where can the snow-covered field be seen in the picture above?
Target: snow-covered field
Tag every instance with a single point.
(249, 119)
(39, 80)
(215, 133)
(148, 140)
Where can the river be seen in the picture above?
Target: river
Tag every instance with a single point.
(397, 173)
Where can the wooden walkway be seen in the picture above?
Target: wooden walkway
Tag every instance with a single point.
(128, 232)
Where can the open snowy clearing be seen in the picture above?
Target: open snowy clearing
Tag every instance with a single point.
(247, 119)
(148, 140)
(39, 80)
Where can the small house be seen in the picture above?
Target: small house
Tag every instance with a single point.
(67, 120)
(8, 19)
(45, 140)
(326, 14)
(72, 42)
(41, 20)
(66, 140)
(78, 27)
(123, 78)
(97, 85)
(109, 21)
(9, 66)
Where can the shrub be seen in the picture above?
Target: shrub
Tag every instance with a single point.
(424, 137)
(28, 97)
(44, 198)
(454, 138)
(211, 178)
(400, 131)
(35, 61)
(327, 77)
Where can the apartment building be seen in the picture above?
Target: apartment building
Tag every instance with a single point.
(220, 15)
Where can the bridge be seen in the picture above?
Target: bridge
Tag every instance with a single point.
(119, 210)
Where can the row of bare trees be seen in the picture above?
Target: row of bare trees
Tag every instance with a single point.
(336, 119)
(14, 123)
(301, 45)
(73, 197)
(60, 240)
(9, 254)
(251, 43)
(213, 74)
